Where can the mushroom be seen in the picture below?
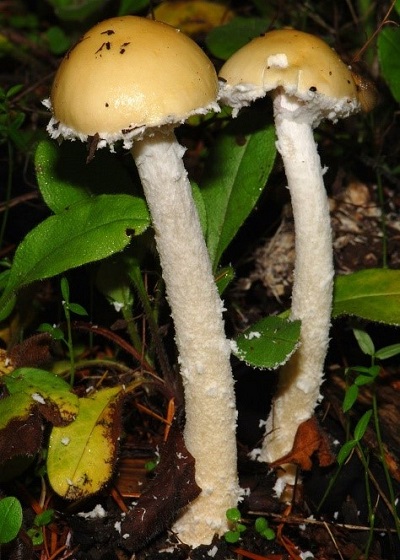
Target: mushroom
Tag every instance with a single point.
(308, 82)
(134, 80)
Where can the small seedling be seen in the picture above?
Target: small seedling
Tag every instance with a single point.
(41, 520)
(236, 527)
(358, 376)
(262, 527)
(57, 333)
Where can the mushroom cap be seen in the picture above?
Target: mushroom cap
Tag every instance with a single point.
(126, 74)
(300, 64)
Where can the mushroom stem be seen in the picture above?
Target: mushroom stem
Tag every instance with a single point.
(204, 351)
(301, 377)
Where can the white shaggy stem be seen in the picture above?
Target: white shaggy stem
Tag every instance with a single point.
(300, 378)
(204, 351)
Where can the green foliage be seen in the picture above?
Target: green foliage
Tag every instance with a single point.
(372, 294)
(58, 40)
(10, 519)
(389, 58)
(262, 527)
(236, 173)
(31, 387)
(40, 520)
(367, 376)
(268, 343)
(76, 10)
(88, 231)
(236, 528)
(64, 177)
(82, 455)
(57, 333)
(223, 41)
(11, 120)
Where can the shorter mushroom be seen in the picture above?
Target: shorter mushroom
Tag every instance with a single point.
(308, 82)
(134, 80)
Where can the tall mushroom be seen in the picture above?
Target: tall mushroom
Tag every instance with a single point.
(308, 82)
(135, 80)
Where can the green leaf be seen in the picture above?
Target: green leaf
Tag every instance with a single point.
(113, 282)
(55, 332)
(64, 286)
(362, 425)
(44, 518)
(268, 343)
(365, 379)
(10, 519)
(132, 6)
(77, 309)
(268, 534)
(388, 352)
(260, 524)
(58, 40)
(364, 342)
(389, 57)
(345, 451)
(82, 455)
(236, 172)
(350, 397)
(232, 536)
(372, 294)
(233, 515)
(89, 231)
(64, 177)
(223, 41)
(32, 386)
(78, 10)
(223, 278)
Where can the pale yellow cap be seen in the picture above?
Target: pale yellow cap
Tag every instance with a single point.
(301, 64)
(126, 74)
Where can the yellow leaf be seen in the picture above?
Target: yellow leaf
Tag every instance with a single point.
(82, 455)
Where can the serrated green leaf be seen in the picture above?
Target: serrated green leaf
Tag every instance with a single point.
(223, 41)
(64, 177)
(362, 425)
(89, 231)
(10, 519)
(43, 387)
(372, 294)
(268, 343)
(237, 170)
(389, 57)
(82, 455)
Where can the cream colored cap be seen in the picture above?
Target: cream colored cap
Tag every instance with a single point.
(126, 74)
(303, 65)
